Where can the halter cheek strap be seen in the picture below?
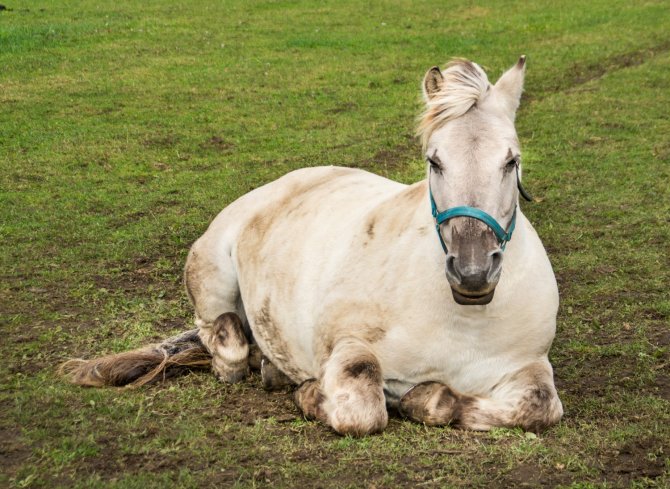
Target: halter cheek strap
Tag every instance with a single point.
(467, 211)
(502, 236)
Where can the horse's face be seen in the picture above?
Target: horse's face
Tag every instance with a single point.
(472, 162)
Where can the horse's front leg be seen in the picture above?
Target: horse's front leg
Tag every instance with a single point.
(526, 398)
(348, 396)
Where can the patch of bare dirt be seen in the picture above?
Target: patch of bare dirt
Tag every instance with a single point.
(253, 404)
(612, 320)
(14, 452)
(641, 458)
(110, 461)
(164, 141)
(343, 107)
(217, 143)
(74, 315)
(167, 326)
(619, 467)
(136, 276)
(531, 475)
(612, 371)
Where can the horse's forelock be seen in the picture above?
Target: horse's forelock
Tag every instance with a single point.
(465, 83)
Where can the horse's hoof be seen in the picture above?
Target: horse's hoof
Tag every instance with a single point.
(272, 377)
(255, 357)
(231, 374)
(416, 403)
(308, 398)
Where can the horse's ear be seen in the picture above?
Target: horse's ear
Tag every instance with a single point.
(432, 83)
(509, 87)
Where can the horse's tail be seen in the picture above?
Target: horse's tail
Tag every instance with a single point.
(150, 363)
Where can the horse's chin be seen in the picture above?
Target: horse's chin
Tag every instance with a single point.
(472, 300)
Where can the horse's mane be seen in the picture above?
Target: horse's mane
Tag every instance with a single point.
(465, 83)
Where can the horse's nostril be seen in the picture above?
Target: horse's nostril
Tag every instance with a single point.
(452, 269)
(496, 265)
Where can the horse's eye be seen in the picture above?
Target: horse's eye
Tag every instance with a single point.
(434, 165)
(511, 164)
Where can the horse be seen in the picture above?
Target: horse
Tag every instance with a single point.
(372, 296)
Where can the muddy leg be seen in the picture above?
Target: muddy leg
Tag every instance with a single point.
(225, 341)
(211, 283)
(255, 357)
(434, 404)
(273, 378)
(309, 400)
(526, 398)
(349, 395)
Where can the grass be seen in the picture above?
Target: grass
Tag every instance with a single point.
(125, 128)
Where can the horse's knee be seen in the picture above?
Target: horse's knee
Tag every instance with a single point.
(354, 399)
(356, 410)
(226, 342)
(359, 418)
(349, 396)
(539, 408)
(349, 411)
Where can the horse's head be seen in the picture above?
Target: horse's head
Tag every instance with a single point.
(473, 155)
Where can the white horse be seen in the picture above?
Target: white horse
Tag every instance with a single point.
(338, 276)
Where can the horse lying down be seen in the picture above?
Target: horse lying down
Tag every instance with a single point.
(333, 279)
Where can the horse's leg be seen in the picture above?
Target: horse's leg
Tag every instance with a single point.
(348, 396)
(525, 398)
(211, 283)
(226, 342)
(272, 377)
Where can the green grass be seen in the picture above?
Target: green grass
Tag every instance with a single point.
(126, 127)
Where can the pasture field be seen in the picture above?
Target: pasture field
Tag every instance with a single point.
(126, 126)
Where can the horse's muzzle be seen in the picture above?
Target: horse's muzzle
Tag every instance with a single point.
(473, 279)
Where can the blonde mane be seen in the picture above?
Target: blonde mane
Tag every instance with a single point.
(465, 83)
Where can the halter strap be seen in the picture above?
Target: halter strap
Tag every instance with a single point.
(502, 236)
(466, 211)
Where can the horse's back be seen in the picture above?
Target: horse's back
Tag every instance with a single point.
(308, 189)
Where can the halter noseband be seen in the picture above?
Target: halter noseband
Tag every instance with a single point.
(466, 211)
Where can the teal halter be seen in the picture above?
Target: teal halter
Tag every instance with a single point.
(502, 236)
